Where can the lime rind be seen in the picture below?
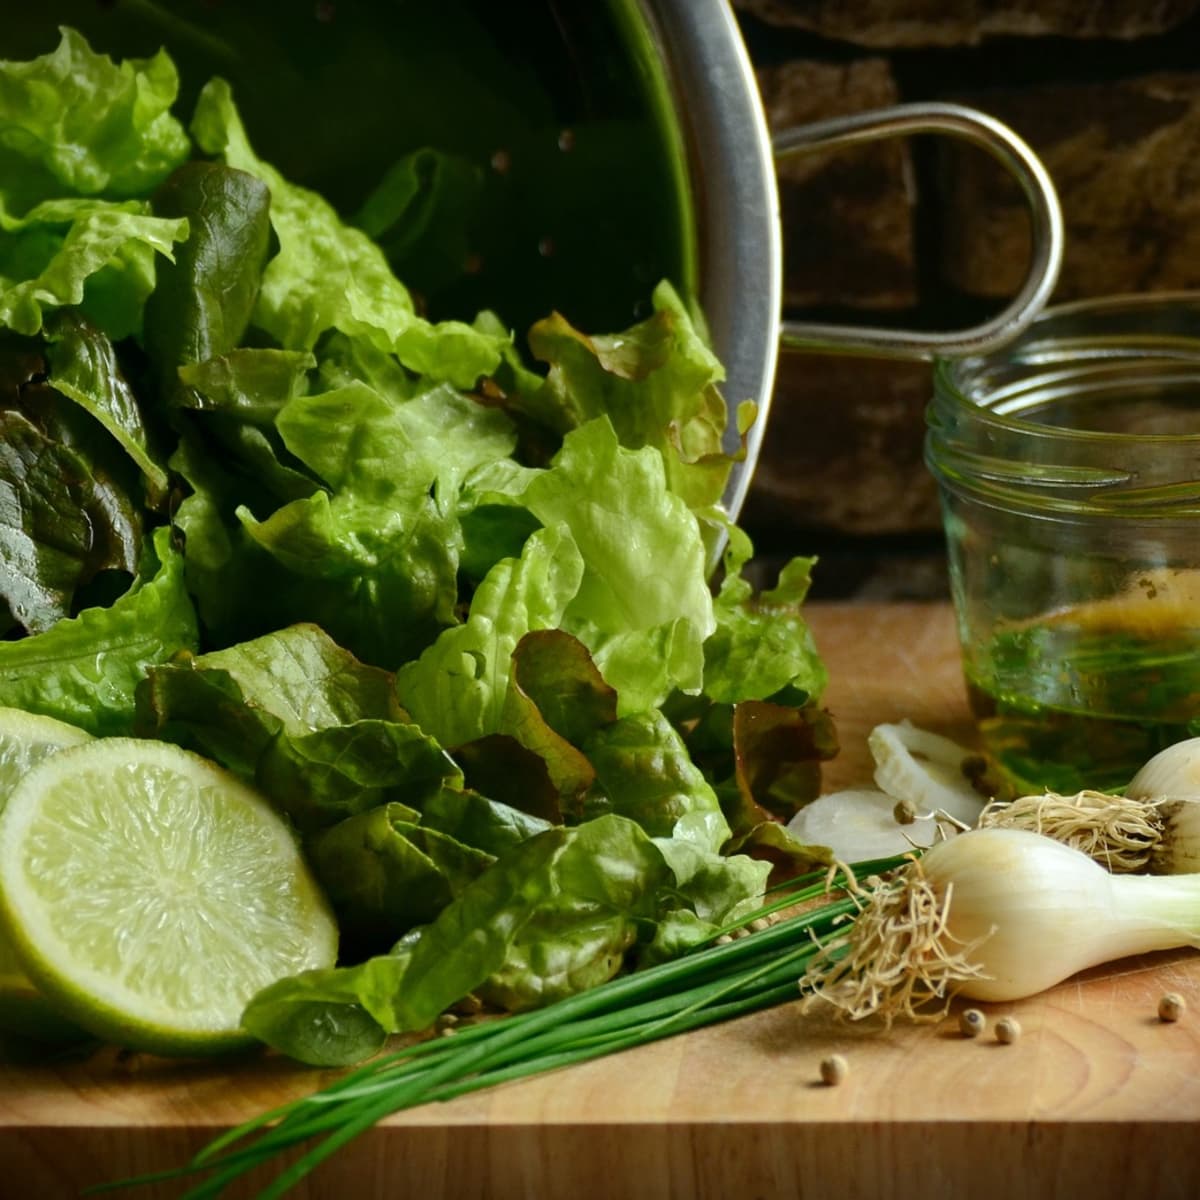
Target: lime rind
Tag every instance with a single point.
(25, 740)
(150, 894)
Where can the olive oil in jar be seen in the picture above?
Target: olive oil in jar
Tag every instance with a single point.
(1081, 698)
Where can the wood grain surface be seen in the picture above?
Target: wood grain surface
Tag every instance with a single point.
(1096, 1099)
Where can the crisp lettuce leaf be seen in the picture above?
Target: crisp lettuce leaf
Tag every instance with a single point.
(251, 383)
(762, 645)
(319, 732)
(92, 125)
(374, 559)
(457, 688)
(85, 670)
(656, 382)
(643, 607)
(300, 676)
(358, 441)
(50, 256)
(553, 916)
(479, 821)
(380, 578)
(643, 767)
(384, 874)
(329, 275)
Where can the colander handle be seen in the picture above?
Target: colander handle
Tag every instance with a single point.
(1012, 153)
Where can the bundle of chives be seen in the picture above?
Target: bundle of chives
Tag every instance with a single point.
(714, 983)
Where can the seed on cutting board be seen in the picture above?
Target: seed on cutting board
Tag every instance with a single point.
(834, 1069)
(1171, 1007)
(971, 1022)
(1008, 1029)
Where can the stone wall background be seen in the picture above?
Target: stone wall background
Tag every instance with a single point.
(931, 233)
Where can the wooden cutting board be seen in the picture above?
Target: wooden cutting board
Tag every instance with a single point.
(1096, 1099)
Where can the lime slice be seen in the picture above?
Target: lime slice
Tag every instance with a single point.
(149, 894)
(25, 740)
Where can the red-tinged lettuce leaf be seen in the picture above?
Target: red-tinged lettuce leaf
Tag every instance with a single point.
(787, 856)
(778, 751)
(556, 674)
(82, 365)
(384, 874)
(763, 758)
(556, 700)
(70, 522)
(85, 669)
(46, 536)
(502, 769)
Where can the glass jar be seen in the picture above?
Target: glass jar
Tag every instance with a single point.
(1068, 466)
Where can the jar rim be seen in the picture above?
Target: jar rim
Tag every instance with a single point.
(952, 377)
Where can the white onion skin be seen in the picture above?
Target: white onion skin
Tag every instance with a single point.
(1172, 779)
(1173, 772)
(1049, 911)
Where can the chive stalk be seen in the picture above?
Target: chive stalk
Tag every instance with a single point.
(713, 983)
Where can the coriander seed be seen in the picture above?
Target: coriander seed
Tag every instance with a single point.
(833, 1070)
(971, 1022)
(1171, 1007)
(1008, 1029)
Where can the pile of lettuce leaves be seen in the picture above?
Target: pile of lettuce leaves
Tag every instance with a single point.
(444, 599)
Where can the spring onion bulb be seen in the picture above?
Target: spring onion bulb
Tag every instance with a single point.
(931, 772)
(1154, 827)
(994, 914)
(1173, 772)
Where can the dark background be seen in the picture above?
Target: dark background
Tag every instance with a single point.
(930, 233)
